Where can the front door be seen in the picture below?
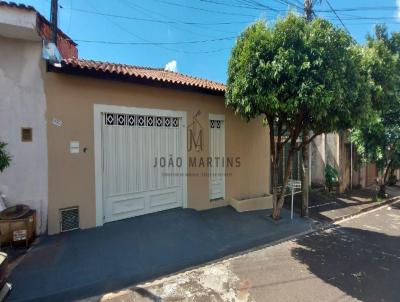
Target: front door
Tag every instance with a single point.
(217, 154)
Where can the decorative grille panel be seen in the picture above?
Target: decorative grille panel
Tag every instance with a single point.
(215, 124)
(113, 119)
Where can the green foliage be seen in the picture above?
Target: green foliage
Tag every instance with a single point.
(331, 176)
(5, 158)
(301, 77)
(298, 69)
(377, 139)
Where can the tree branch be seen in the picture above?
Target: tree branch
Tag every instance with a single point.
(302, 144)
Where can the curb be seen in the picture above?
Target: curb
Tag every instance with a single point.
(324, 225)
(315, 226)
(365, 210)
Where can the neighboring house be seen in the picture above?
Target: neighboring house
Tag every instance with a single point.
(331, 149)
(335, 149)
(23, 105)
(121, 140)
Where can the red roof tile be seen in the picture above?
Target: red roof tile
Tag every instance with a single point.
(145, 73)
(66, 45)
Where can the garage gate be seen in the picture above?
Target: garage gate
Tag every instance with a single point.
(143, 154)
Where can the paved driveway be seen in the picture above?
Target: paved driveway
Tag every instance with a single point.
(357, 260)
(90, 262)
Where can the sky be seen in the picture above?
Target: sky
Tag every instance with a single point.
(194, 37)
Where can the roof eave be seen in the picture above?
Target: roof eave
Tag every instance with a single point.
(75, 70)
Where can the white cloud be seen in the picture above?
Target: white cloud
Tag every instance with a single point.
(398, 9)
(173, 66)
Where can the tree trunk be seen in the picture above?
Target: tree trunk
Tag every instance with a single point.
(382, 190)
(277, 210)
(305, 185)
(382, 187)
(274, 177)
(274, 168)
(388, 168)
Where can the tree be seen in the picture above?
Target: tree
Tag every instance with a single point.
(305, 180)
(5, 158)
(300, 77)
(378, 139)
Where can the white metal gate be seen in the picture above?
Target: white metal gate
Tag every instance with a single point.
(217, 154)
(143, 163)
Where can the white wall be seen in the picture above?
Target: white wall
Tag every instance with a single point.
(23, 104)
(324, 150)
(318, 159)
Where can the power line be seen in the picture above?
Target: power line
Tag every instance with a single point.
(149, 12)
(259, 5)
(202, 27)
(353, 17)
(250, 4)
(286, 2)
(333, 10)
(203, 9)
(230, 4)
(158, 20)
(360, 8)
(156, 43)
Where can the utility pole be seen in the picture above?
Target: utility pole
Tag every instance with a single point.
(54, 21)
(305, 182)
(308, 5)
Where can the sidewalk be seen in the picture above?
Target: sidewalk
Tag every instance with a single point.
(331, 207)
(355, 261)
(86, 263)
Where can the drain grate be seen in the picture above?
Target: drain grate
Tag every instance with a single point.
(69, 219)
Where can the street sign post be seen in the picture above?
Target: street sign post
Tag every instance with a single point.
(293, 184)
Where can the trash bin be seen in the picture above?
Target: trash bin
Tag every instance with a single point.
(17, 226)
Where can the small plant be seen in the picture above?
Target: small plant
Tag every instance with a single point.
(5, 157)
(331, 177)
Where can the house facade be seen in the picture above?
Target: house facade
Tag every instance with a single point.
(23, 106)
(128, 141)
(95, 142)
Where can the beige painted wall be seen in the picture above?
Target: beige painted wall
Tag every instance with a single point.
(72, 177)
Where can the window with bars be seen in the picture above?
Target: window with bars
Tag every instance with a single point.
(117, 119)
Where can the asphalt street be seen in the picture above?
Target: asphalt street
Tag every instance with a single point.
(356, 260)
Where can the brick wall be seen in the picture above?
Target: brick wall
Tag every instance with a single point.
(66, 45)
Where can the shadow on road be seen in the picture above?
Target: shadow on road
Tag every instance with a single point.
(365, 264)
(144, 293)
